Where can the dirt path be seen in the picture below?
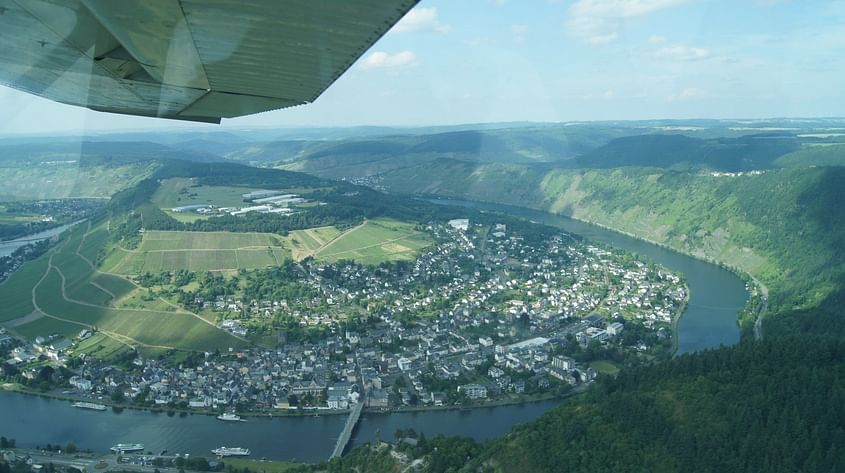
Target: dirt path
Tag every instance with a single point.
(35, 315)
(302, 254)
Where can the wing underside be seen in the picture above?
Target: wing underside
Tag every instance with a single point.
(199, 60)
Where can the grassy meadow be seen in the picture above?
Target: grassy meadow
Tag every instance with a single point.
(376, 241)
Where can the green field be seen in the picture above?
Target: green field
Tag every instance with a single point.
(376, 241)
(11, 219)
(71, 295)
(199, 251)
(180, 192)
(605, 367)
(371, 243)
(305, 243)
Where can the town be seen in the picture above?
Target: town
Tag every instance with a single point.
(488, 314)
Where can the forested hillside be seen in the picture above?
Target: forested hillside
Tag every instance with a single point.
(82, 168)
(373, 155)
(770, 407)
(746, 153)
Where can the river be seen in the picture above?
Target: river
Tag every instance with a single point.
(9, 246)
(709, 321)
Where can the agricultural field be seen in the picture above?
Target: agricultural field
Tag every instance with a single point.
(179, 192)
(304, 243)
(376, 241)
(7, 218)
(61, 292)
(199, 251)
(371, 243)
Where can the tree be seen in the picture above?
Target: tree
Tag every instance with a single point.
(70, 448)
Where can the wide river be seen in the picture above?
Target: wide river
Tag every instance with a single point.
(709, 321)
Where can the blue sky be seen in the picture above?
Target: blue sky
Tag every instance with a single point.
(469, 61)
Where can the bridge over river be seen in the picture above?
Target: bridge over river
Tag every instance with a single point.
(346, 434)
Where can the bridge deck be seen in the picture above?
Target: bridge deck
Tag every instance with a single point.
(351, 421)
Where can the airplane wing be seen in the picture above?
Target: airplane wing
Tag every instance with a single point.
(199, 60)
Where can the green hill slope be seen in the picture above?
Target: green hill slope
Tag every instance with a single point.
(373, 155)
(772, 407)
(678, 151)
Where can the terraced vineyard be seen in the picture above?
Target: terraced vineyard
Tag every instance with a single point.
(62, 292)
(199, 251)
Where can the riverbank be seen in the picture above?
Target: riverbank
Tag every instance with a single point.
(280, 413)
(580, 389)
(676, 319)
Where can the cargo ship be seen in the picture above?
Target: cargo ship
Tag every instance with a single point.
(127, 448)
(90, 405)
(231, 452)
(229, 416)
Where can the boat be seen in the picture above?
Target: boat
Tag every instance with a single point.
(229, 416)
(90, 405)
(127, 447)
(231, 452)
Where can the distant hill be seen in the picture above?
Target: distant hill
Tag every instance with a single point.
(682, 152)
(102, 151)
(68, 168)
(374, 155)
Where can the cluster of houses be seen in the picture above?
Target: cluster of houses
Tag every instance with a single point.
(54, 347)
(477, 285)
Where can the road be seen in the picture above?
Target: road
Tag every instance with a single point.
(764, 307)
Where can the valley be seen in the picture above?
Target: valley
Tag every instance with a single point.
(223, 268)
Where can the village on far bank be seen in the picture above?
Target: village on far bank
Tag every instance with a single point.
(487, 314)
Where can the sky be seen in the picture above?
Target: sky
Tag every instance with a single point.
(476, 61)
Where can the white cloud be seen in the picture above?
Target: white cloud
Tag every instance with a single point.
(690, 93)
(420, 19)
(620, 8)
(383, 60)
(682, 52)
(518, 32)
(597, 21)
(482, 41)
